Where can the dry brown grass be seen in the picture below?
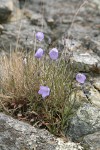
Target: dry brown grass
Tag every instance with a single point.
(13, 72)
(20, 82)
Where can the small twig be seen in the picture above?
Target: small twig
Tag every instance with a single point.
(4, 96)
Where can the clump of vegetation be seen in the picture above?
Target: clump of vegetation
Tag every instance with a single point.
(38, 88)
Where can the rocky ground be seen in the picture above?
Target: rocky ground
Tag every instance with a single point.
(16, 135)
(18, 23)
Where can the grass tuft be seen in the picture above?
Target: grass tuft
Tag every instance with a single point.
(20, 79)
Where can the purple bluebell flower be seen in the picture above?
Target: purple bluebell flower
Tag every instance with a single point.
(39, 53)
(80, 78)
(39, 36)
(53, 54)
(44, 91)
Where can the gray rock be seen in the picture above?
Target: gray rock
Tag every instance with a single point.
(84, 54)
(62, 15)
(1, 28)
(92, 141)
(97, 83)
(86, 121)
(97, 48)
(85, 61)
(92, 44)
(94, 96)
(50, 21)
(37, 19)
(21, 34)
(97, 2)
(6, 9)
(17, 135)
(54, 26)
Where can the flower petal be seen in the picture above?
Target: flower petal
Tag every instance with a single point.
(45, 94)
(39, 53)
(80, 78)
(53, 54)
(39, 36)
(44, 91)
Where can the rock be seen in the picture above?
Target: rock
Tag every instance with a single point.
(85, 61)
(91, 44)
(97, 83)
(92, 141)
(37, 19)
(94, 96)
(1, 28)
(54, 26)
(21, 34)
(6, 9)
(17, 135)
(62, 14)
(84, 54)
(97, 2)
(50, 22)
(21, 3)
(68, 146)
(72, 45)
(86, 121)
(79, 98)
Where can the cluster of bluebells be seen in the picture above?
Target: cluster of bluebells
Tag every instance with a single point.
(53, 54)
(40, 52)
